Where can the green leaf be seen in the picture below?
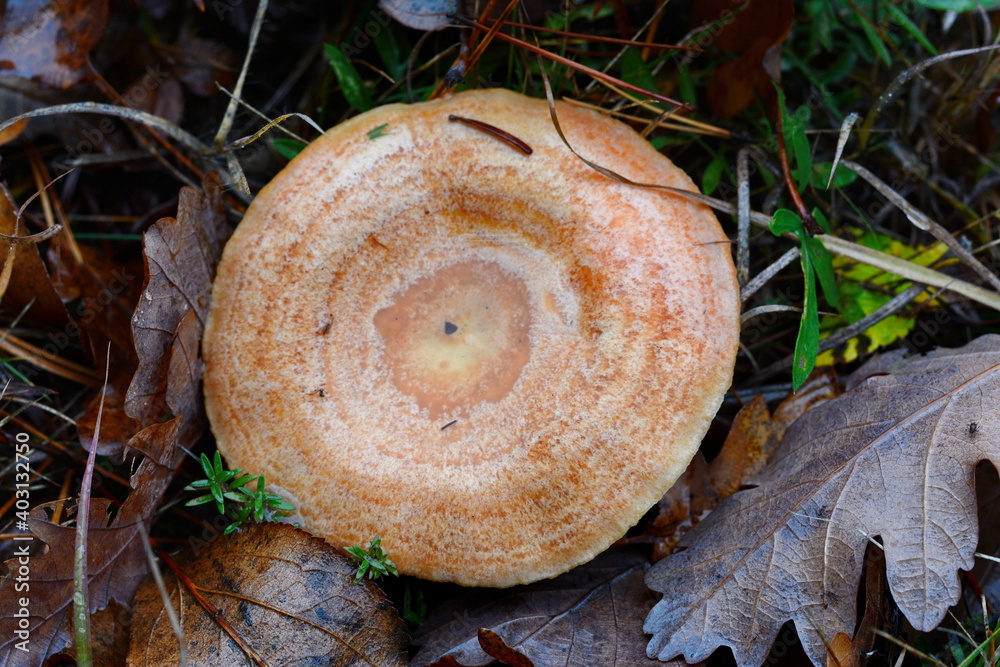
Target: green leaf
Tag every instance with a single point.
(875, 40)
(280, 504)
(903, 21)
(206, 466)
(362, 569)
(713, 174)
(287, 148)
(219, 469)
(821, 174)
(240, 481)
(685, 84)
(659, 142)
(959, 5)
(201, 500)
(784, 221)
(807, 342)
(793, 130)
(813, 256)
(391, 48)
(822, 261)
(351, 84)
(635, 71)
(414, 606)
(379, 131)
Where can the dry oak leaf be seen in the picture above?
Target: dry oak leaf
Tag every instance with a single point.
(116, 566)
(754, 30)
(592, 615)
(894, 457)
(290, 596)
(753, 438)
(181, 255)
(24, 282)
(117, 561)
(49, 41)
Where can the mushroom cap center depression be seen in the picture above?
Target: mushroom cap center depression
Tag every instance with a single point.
(457, 337)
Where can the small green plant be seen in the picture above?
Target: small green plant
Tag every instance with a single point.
(414, 606)
(247, 506)
(374, 561)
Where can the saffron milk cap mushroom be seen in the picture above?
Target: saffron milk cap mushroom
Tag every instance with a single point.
(498, 361)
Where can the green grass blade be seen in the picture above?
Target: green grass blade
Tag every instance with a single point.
(353, 87)
(904, 22)
(876, 41)
(807, 342)
(288, 148)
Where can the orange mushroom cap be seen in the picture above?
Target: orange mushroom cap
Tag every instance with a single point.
(496, 361)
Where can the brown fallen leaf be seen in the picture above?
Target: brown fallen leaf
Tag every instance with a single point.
(109, 629)
(116, 566)
(892, 457)
(755, 32)
(752, 439)
(592, 615)
(844, 651)
(289, 595)
(49, 40)
(29, 281)
(987, 570)
(494, 645)
(181, 255)
(203, 64)
(13, 132)
(116, 555)
(106, 293)
(117, 428)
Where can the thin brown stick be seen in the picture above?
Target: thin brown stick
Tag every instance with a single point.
(589, 71)
(48, 361)
(154, 569)
(32, 238)
(36, 472)
(54, 216)
(601, 38)
(63, 449)
(464, 62)
(679, 126)
(63, 495)
(210, 609)
(786, 170)
(116, 98)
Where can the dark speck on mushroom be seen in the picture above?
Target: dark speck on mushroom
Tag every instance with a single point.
(450, 328)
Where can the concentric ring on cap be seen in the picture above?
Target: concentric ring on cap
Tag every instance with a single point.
(497, 362)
